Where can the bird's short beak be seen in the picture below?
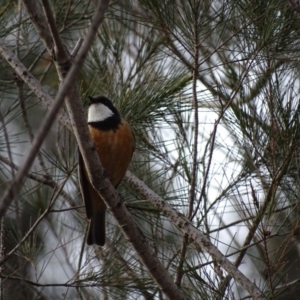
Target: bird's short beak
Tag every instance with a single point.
(92, 100)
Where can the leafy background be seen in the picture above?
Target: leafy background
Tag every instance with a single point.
(211, 90)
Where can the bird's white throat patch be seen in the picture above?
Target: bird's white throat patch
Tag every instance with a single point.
(98, 112)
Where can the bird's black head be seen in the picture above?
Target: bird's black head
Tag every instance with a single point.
(102, 114)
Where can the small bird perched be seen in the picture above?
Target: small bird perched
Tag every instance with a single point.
(115, 143)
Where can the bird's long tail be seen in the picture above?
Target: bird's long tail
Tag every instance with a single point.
(96, 232)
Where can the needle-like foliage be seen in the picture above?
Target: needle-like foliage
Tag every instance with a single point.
(211, 90)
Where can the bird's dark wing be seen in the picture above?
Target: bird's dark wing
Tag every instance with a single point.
(84, 187)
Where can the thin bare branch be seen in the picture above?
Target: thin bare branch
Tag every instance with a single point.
(39, 22)
(60, 52)
(77, 47)
(185, 225)
(192, 191)
(31, 81)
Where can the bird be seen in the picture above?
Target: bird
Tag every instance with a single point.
(115, 143)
